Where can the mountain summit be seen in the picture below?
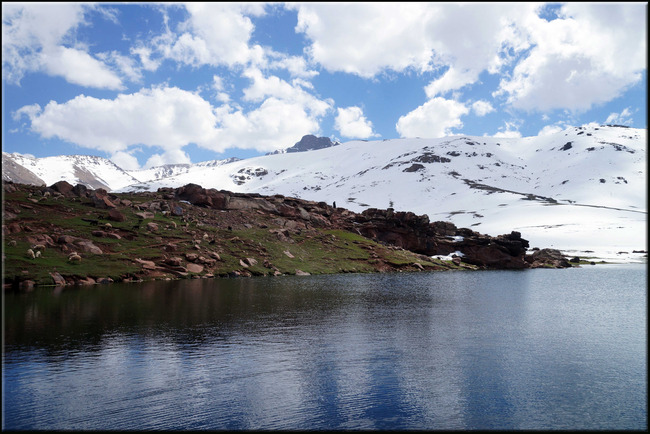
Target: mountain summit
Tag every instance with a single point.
(308, 143)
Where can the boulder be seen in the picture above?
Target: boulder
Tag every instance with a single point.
(80, 190)
(63, 187)
(548, 258)
(194, 268)
(100, 199)
(116, 216)
(58, 279)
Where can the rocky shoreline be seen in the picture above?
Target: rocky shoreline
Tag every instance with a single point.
(70, 235)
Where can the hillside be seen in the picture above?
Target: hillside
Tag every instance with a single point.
(72, 235)
(579, 190)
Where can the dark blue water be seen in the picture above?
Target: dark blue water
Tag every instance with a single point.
(534, 349)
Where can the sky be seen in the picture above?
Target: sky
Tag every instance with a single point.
(147, 84)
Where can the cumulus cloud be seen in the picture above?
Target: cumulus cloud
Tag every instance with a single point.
(482, 108)
(172, 156)
(275, 124)
(509, 131)
(435, 118)
(169, 118)
(33, 37)
(79, 67)
(351, 123)
(550, 129)
(622, 118)
(581, 59)
(389, 35)
(421, 36)
(125, 160)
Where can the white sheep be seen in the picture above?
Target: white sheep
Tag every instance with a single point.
(37, 254)
(30, 254)
(74, 257)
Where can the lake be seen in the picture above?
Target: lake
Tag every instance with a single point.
(532, 349)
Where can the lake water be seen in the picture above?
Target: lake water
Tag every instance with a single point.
(533, 349)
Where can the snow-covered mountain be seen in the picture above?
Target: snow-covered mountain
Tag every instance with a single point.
(307, 143)
(581, 188)
(170, 170)
(94, 172)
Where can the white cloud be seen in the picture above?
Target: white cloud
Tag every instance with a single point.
(365, 38)
(169, 118)
(451, 80)
(511, 131)
(589, 56)
(275, 124)
(214, 34)
(622, 118)
(368, 38)
(550, 129)
(33, 37)
(351, 123)
(295, 65)
(125, 160)
(433, 119)
(172, 156)
(144, 54)
(482, 108)
(265, 87)
(286, 111)
(29, 111)
(79, 67)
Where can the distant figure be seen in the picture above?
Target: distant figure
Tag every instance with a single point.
(334, 205)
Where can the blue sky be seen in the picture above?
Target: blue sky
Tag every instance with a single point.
(146, 84)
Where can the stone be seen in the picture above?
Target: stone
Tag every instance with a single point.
(58, 279)
(194, 268)
(116, 216)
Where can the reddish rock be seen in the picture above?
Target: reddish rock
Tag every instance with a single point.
(116, 216)
(194, 268)
(58, 279)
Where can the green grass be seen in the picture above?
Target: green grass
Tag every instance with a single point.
(315, 251)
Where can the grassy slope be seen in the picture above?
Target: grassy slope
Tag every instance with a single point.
(200, 231)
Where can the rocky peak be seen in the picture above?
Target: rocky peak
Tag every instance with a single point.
(308, 143)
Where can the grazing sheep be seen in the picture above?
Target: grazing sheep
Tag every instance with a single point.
(37, 254)
(38, 247)
(74, 257)
(30, 254)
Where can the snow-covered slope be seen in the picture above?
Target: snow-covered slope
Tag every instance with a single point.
(581, 188)
(94, 172)
(170, 170)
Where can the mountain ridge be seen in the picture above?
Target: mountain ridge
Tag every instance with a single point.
(562, 188)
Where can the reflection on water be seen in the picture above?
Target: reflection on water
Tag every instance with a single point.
(539, 349)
